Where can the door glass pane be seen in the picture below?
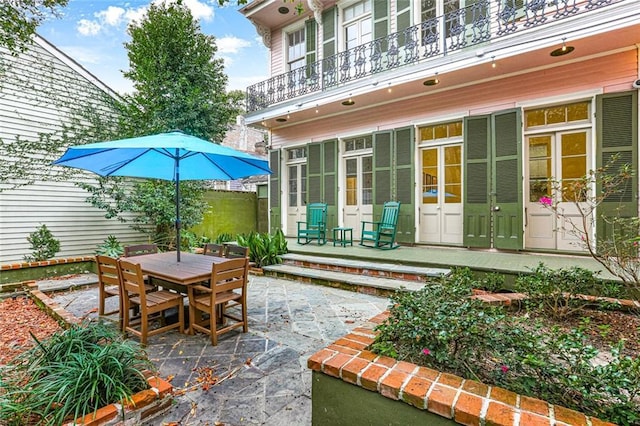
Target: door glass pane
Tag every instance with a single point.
(556, 115)
(303, 184)
(539, 168)
(453, 174)
(352, 182)
(574, 166)
(367, 180)
(430, 176)
(293, 186)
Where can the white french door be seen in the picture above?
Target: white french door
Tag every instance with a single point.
(358, 203)
(441, 207)
(296, 196)
(561, 157)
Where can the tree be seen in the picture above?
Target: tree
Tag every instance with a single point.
(20, 18)
(178, 84)
(178, 81)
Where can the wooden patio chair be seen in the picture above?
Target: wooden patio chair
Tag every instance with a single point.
(108, 284)
(213, 249)
(234, 251)
(228, 288)
(140, 249)
(382, 234)
(150, 304)
(315, 227)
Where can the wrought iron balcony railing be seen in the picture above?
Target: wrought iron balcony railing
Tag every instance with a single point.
(440, 36)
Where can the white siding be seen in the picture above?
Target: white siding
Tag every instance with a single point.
(38, 91)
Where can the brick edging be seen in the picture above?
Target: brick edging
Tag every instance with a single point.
(467, 402)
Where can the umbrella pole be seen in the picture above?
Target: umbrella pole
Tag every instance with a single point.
(178, 204)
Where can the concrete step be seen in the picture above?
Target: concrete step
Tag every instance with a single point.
(378, 286)
(363, 268)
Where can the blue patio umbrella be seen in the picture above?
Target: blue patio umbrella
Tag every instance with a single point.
(172, 156)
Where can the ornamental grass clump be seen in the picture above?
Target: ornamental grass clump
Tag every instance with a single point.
(71, 374)
(442, 327)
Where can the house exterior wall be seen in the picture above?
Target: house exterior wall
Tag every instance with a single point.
(351, 124)
(37, 90)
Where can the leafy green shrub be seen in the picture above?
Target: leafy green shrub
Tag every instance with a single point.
(223, 237)
(556, 292)
(71, 374)
(264, 249)
(43, 245)
(110, 247)
(441, 327)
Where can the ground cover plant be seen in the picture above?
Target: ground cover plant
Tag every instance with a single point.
(571, 359)
(71, 374)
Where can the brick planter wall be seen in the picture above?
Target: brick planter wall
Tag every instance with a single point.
(24, 271)
(466, 402)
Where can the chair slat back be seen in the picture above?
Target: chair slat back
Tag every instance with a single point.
(132, 279)
(108, 271)
(229, 275)
(233, 251)
(316, 215)
(140, 249)
(213, 249)
(390, 211)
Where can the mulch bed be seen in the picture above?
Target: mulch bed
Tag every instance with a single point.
(19, 317)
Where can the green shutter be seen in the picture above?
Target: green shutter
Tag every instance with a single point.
(314, 173)
(404, 188)
(617, 133)
(330, 183)
(507, 179)
(403, 19)
(381, 21)
(275, 221)
(477, 175)
(329, 32)
(382, 157)
(310, 37)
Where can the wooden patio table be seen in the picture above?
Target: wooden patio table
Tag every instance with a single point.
(192, 268)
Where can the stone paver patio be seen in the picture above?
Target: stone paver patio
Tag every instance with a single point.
(268, 381)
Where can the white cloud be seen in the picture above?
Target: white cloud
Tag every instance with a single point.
(114, 16)
(88, 28)
(231, 44)
(111, 16)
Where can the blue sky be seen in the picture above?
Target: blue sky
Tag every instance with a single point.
(92, 32)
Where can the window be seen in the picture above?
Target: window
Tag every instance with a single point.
(560, 114)
(296, 49)
(357, 24)
(297, 154)
(357, 144)
(441, 131)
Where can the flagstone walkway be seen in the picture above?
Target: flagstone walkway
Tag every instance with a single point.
(262, 375)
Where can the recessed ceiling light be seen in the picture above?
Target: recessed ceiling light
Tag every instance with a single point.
(281, 120)
(431, 82)
(283, 10)
(348, 102)
(564, 50)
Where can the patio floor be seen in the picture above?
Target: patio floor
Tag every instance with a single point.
(269, 382)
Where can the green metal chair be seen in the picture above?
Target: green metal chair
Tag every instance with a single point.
(315, 227)
(382, 234)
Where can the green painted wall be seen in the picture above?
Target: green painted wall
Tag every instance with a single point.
(336, 403)
(231, 212)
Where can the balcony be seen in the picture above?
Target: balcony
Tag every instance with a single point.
(456, 31)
